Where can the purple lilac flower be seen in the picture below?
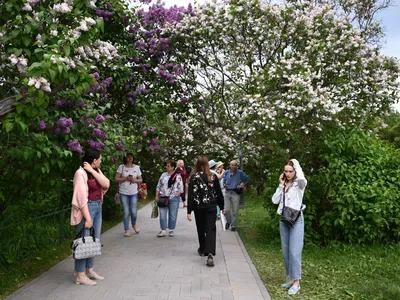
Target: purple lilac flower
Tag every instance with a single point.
(144, 132)
(203, 110)
(95, 75)
(95, 145)
(97, 133)
(135, 28)
(42, 125)
(157, 148)
(132, 100)
(120, 146)
(64, 124)
(184, 99)
(152, 130)
(99, 119)
(74, 146)
(109, 6)
(151, 148)
(64, 103)
(80, 104)
(115, 160)
(104, 14)
(154, 141)
(87, 121)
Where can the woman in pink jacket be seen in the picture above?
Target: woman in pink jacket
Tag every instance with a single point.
(89, 187)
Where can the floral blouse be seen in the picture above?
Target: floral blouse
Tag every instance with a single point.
(163, 188)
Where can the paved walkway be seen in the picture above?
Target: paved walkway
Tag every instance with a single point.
(146, 267)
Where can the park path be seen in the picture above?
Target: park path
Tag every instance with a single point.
(146, 267)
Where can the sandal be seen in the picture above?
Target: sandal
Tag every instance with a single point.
(127, 234)
(137, 230)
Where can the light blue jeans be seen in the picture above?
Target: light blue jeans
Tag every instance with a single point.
(231, 198)
(172, 212)
(129, 206)
(292, 240)
(95, 212)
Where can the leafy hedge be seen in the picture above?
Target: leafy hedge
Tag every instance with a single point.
(353, 196)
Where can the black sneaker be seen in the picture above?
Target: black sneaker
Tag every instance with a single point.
(227, 226)
(201, 253)
(210, 260)
(233, 228)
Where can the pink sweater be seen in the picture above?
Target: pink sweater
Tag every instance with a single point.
(80, 195)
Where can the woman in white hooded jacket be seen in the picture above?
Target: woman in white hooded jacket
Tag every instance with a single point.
(292, 184)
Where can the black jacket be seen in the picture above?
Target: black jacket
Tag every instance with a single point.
(202, 194)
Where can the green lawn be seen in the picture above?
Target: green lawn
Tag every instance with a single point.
(335, 272)
(17, 275)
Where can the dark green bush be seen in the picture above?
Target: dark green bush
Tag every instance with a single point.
(353, 194)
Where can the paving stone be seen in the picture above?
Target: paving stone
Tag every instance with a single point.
(145, 267)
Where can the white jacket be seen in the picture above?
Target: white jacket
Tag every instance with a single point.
(294, 197)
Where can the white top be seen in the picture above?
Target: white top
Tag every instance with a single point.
(294, 197)
(126, 187)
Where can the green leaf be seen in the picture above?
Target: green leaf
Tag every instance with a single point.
(39, 154)
(67, 50)
(15, 33)
(73, 79)
(26, 155)
(8, 126)
(28, 52)
(52, 74)
(27, 28)
(26, 41)
(100, 24)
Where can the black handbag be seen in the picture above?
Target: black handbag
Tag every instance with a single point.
(289, 215)
(163, 201)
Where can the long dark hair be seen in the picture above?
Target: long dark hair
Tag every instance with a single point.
(89, 157)
(202, 166)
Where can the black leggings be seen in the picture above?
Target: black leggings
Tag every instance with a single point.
(206, 229)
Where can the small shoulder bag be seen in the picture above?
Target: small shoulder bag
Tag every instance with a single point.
(117, 199)
(289, 215)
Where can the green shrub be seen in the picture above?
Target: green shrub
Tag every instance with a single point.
(360, 199)
(353, 194)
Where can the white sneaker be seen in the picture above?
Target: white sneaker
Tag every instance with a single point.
(162, 233)
(171, 233)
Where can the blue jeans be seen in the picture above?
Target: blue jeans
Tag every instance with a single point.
(95, 211)
(292, 239)
(129, 206)
(231, 198)
(171, 211)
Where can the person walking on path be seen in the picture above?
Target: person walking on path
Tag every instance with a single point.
(204, 195)
(169, 185)
(292, 184)
(89, 187)
(213, 168)
(234, 181)
(182, 171)
(128, 177)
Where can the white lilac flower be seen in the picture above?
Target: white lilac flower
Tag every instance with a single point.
(27, 7)
(62, 8)
(54, 32)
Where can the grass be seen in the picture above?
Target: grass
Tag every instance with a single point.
(334, 272)
(15, 276)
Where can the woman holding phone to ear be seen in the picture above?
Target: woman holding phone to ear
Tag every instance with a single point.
(292, 184)
(89, 187)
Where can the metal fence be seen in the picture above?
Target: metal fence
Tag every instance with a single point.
(27, 237)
